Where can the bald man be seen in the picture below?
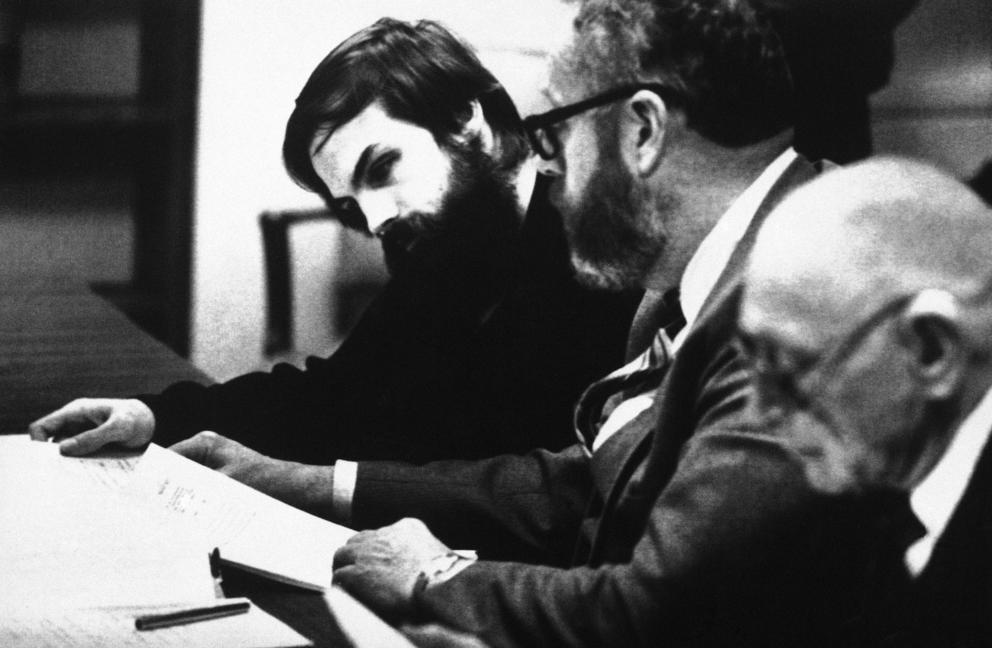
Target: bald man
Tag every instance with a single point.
(868, 312)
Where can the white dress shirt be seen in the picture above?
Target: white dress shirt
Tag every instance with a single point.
(936, 497)
(698, 280)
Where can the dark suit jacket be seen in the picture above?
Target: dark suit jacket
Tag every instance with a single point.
(453, 367)
(686, 520)
(950, 603)
(953, 595)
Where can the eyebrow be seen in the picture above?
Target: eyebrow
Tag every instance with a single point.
(362, 164)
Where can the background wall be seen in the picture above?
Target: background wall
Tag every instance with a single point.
(60, 222)
(938, 104)
(256, 55)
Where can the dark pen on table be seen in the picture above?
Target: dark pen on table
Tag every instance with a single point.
(222, 608)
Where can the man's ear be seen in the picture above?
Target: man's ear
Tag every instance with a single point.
(643, 126)
(931, 329)
(476, 126)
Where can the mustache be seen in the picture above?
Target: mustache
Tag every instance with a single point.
(426, 223)
(419, 242)
(476, 216)
(411, 232)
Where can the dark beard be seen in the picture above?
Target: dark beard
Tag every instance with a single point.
(612, 234)
(471, 230)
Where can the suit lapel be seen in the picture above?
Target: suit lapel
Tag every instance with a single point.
(799, 172)
(618, 466)
(956, 585)
(620, 451)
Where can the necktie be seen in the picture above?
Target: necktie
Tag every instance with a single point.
(656, 310)
(639, 376)
(657, 357)
(674, 318)
(887, 602)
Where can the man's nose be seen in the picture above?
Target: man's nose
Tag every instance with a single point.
(378, 208)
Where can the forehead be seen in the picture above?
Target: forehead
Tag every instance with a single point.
(560, 85)
(776, 316)
(335, 156)
(791, 310)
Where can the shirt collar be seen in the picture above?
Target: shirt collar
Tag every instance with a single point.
(934, 499)
(712, 255)
(701, 275)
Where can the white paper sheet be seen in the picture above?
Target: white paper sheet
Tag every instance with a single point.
(68, 535)
(84, 553)
(252, 530)
(102, 627)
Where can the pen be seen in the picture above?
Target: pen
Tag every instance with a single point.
(222, 608)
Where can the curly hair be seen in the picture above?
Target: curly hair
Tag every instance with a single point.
(721, 58)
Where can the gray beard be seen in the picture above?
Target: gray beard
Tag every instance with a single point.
(616, 234)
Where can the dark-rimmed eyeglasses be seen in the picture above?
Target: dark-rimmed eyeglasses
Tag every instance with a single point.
(540, 128)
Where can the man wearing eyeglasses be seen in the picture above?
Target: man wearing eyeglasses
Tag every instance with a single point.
(868, 309)
(480, 342)
(667, 143)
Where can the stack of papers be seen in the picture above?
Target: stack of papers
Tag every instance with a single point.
(253, 531)
(89, 543)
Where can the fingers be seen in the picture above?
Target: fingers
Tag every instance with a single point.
(90, 441)
(96, 422)
(346, 576)
(199, 448)
(348, 553)
(45, 427)
(68, 419)
(354, 579)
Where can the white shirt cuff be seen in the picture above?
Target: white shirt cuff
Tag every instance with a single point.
(444, 567)
(343, 489)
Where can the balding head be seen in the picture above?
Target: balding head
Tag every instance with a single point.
(866, 298)
(874, 230)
